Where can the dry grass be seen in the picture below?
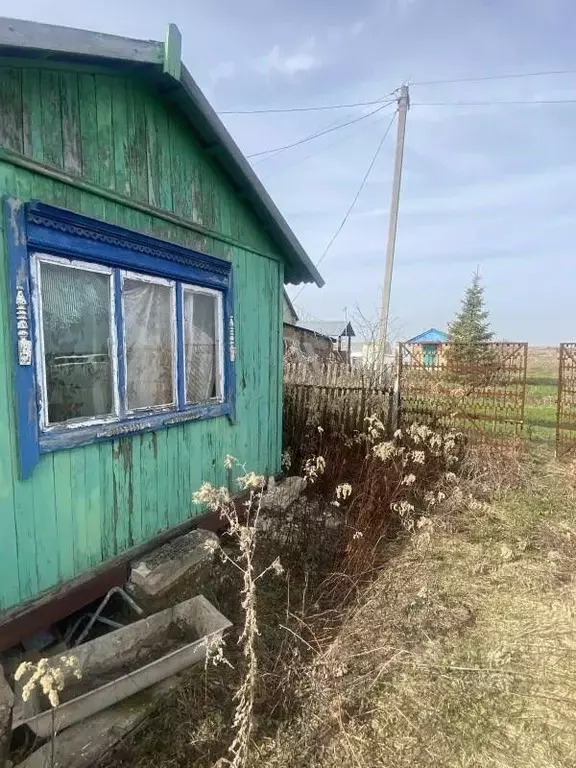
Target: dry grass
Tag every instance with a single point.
(459, 651)
(463, 651)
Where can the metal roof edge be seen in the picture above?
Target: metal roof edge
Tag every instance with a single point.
(242, 171)
(33, 35)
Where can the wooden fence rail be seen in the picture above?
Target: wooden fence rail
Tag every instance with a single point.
(335, 408)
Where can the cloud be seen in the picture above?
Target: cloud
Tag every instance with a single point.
(289, 64)
(224, 70)
(356, 28)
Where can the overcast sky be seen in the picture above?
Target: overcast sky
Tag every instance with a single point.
(493, 186)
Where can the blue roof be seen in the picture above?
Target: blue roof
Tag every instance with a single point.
(431, 336)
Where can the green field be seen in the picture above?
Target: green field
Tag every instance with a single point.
(541, 393)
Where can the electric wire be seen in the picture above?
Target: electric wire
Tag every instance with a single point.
(482, 78)
(355, 198)
(341, 137)
(490, 103)
(321, 108)
(319, 133)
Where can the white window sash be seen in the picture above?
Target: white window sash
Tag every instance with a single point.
(219, 326)
(36, 260)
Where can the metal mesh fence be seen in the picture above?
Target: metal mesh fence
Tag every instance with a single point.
(478, 389)
(566, 410)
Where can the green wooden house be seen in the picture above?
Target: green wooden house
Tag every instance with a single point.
(142, 267)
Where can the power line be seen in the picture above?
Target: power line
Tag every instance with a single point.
(321, 108)
(490, 103)
(355, 199)
(483, 78)
(477, 79)
(326, 147)
(320, 133)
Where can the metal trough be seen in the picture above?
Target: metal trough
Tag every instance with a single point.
(195, 622)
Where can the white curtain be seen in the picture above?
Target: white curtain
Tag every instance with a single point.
(148, 337)
(201, 341)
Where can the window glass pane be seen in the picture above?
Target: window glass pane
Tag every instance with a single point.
(77, 330)
(148, 323)
(201, 342)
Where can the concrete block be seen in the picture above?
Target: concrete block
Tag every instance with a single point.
(121, 663)
(160, 571)
(282, 495)
(84, 744)
(6, 707)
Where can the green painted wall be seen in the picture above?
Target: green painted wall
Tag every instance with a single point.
(86, 505)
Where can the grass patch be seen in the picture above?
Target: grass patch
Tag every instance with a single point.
(463, 651)
(460, 652)
(541, 394)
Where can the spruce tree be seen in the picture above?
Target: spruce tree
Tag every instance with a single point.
(469, 354)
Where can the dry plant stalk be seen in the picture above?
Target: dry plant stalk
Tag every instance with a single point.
(220, 500)
(51, 680)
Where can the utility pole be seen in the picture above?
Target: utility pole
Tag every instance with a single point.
(403, 106)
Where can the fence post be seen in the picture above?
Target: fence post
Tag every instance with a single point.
(557, 452)
(394, 405)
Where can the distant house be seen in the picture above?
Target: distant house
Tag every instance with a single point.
(426, 348)
(321, 339)
(288, 312)
(368, 354)
(336, 331)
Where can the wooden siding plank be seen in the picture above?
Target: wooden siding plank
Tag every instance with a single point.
(152, 154)
(136, 141)
(182, 170)
(45, 524)
(66, 511)
(81, 508)
(32, 114)
(105, 131)
(51, 117)
(260, 373)
(122, 474)
(273, 365)
(251, 299)
(89, 127)
(107, 535)
(11, 132)
(136, 516)
(71, 134)
(175, 474)
(279, 382)
(163, 491)
(120, 134)
(11, 590)
(161, 118)
(149, 485)
(92, 479)
(187, 459)
(244, 327)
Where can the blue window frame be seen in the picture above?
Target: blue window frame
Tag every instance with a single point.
(115, 332)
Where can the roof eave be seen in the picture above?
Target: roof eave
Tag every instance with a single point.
(57, 42)
(302, 268)
(31, 36)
